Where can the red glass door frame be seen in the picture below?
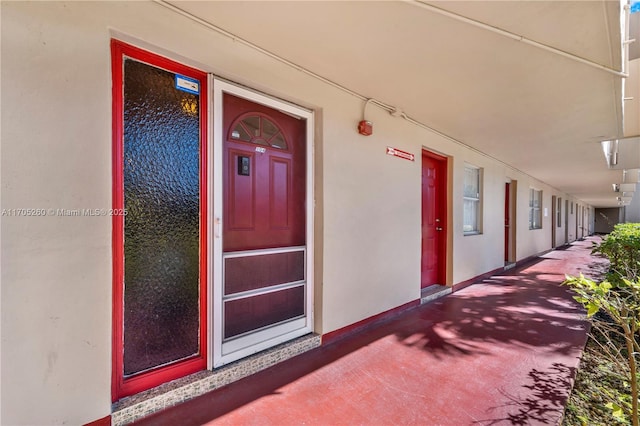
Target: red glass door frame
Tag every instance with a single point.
(121, 386)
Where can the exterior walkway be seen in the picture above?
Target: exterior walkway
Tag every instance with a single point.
(502, 351)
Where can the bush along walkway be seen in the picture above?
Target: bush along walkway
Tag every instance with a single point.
(607, 388)
(590, 403)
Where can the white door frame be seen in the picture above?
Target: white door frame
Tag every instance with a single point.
(264, 339)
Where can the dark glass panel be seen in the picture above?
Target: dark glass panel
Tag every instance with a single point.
(269, 129)
(253, 272)
(252, 124)
(240, 133)
(161, 241)
(278, 142)
(259, 130)
(251, 313)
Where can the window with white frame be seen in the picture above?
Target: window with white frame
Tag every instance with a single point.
(472, 223)
(535, 209)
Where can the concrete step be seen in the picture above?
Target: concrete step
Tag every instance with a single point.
(433, 292)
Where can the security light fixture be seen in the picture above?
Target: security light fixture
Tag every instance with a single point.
(610, 149)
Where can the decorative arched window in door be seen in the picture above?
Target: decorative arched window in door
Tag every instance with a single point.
(258, 129)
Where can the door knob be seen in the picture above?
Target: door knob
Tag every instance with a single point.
(438, 229)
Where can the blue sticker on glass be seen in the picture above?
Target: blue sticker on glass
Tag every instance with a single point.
(187, 84)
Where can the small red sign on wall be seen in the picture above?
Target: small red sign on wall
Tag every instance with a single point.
(401, 154)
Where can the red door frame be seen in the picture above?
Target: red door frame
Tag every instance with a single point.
(441, 212)
(121, 387)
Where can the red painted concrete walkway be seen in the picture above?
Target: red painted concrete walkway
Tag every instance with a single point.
(503, 351)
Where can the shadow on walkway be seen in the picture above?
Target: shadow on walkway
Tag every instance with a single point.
(502, 351)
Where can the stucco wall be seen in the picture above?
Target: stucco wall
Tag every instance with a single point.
(56, 154)
(55, 270)
(632, 106)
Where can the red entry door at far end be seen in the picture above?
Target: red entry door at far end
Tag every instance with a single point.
(507, 219)
(434, 170)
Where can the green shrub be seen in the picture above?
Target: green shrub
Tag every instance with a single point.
(618, 297)
(622, 248)
(619, 340)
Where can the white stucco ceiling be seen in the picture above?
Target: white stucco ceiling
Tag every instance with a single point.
(530, 108)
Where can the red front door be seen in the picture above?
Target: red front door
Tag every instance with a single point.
(264, 173)
(264, 223)
(507, 219)
(434, 208)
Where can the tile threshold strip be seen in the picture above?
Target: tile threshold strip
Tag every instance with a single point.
(138, 406)
(429, 294)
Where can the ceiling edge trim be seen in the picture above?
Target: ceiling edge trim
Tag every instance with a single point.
(514, 36)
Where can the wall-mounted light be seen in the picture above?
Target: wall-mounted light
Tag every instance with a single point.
(610, 149)
(624, 198)
(616, 187)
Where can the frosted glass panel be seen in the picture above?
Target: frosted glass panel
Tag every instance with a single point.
(471, 182)
(470, 216)
(161, 241)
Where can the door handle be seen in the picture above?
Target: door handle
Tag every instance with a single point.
(438, 229)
